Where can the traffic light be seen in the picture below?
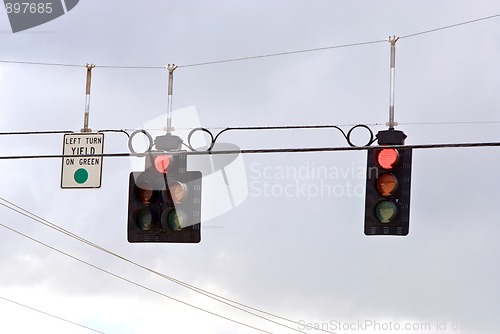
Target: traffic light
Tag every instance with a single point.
(388, 178)
(164, 201)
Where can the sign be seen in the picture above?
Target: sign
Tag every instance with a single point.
(80, 167)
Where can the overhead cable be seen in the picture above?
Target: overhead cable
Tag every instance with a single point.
(268, 55)
(130, 281)
(206, 293)
(48, 314)
(262, 151)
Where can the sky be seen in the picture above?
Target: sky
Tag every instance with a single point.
(292, 243)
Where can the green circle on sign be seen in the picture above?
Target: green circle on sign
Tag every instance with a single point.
(81, 175)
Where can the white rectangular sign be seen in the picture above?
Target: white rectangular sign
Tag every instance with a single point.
(80, 168)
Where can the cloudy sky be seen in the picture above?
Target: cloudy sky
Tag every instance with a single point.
(293, 244)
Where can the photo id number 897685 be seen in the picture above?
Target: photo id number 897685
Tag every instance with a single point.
(28, 7)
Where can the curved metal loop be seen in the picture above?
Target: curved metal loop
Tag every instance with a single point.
(212, 139)
(346, 136)
(131, 147)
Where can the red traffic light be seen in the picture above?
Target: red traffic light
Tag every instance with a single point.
(161, 163)
(387, 158)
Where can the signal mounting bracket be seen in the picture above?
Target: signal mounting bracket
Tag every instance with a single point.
(168, 142)
(391, 137)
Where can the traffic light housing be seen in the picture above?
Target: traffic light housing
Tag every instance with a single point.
(164, 201)
(388, 179)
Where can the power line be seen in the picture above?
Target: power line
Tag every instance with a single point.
(338, 46)
(450, 26)
(446, 123)
(13, 133)
(186, 285)
(283, 53)
(261, 151)
(228, 60)
(130, 281)
(215, 127)
(367, 124)
(206, 293)
(48, 314)
(39, 63)
(51, 132)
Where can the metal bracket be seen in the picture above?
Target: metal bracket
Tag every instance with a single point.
(391, 124)
(171, 68)
(87, 98)
(347, 135)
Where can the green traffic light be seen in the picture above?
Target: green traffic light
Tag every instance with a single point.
(144, 219)
(386, 211)
(175, 219)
